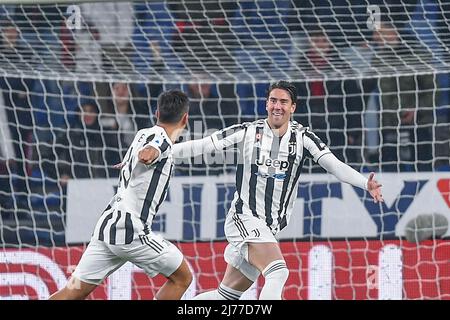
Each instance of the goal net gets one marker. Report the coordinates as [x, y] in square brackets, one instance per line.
[79, 79]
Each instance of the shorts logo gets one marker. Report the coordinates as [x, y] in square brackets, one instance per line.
[256, 232]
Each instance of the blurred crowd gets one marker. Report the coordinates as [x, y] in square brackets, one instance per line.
[55, 130]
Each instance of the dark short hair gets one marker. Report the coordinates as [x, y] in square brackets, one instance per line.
[285, 85]
[172, 105]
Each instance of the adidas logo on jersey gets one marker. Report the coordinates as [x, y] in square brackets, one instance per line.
[274, 163]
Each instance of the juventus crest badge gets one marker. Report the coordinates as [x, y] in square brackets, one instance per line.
[292, 148]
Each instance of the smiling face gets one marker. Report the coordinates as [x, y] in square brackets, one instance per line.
[279, 106]
[88, 114]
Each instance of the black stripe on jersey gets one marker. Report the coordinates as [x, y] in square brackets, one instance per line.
[101, 236]
[319, 144]
[149, 138]
[230, 130]
[254, 169]
[270, 183]
[152, 190]
[322, 156]
[163, 194]
[307, 154]
[164, 146]
[129, 231]
[113, 231]
[287, 179]
[240, 174]
[283, 222]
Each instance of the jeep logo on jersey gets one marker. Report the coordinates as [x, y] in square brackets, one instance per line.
[274, 163]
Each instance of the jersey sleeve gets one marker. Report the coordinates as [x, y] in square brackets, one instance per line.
[313, 146]
[156, 141]
[229, 136]
[219, 140]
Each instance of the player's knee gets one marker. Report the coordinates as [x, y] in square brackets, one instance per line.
[276, 271]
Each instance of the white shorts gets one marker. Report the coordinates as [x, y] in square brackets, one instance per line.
[151, 253]
[241, 229]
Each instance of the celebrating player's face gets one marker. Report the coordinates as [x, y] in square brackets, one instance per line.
[279, 108]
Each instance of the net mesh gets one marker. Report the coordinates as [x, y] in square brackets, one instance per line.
[77, 81]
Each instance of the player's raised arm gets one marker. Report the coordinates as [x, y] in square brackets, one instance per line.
[219, 140]
[193, 148]
[347, 174]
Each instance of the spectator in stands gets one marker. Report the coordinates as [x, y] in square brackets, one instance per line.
[406, 103]
[210, 109]
[12, 48]
[87, 51]
[203, 38]
[122, 116]
[261, 40]
[39, 26]
[114, 23]
[123, 113]
[80, 151]
[332, 108]
[7, 156]
[152, 37]
[15, 100]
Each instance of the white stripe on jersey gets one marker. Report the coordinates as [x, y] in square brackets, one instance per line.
[142, 188]
[268, 172]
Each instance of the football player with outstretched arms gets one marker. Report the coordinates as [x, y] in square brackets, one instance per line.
[271, 153]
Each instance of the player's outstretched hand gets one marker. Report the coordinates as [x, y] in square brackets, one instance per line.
[118, 166]
[147, 155]
[374, 188]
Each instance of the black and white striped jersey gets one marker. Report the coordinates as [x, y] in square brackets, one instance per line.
[142, 189]
[268, 168]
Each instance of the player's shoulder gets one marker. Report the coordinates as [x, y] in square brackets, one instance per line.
[298, 127]
[237, 127]
[156, 132]
[259, 122]
[157, 136]
[151, 130]
[253, 124]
